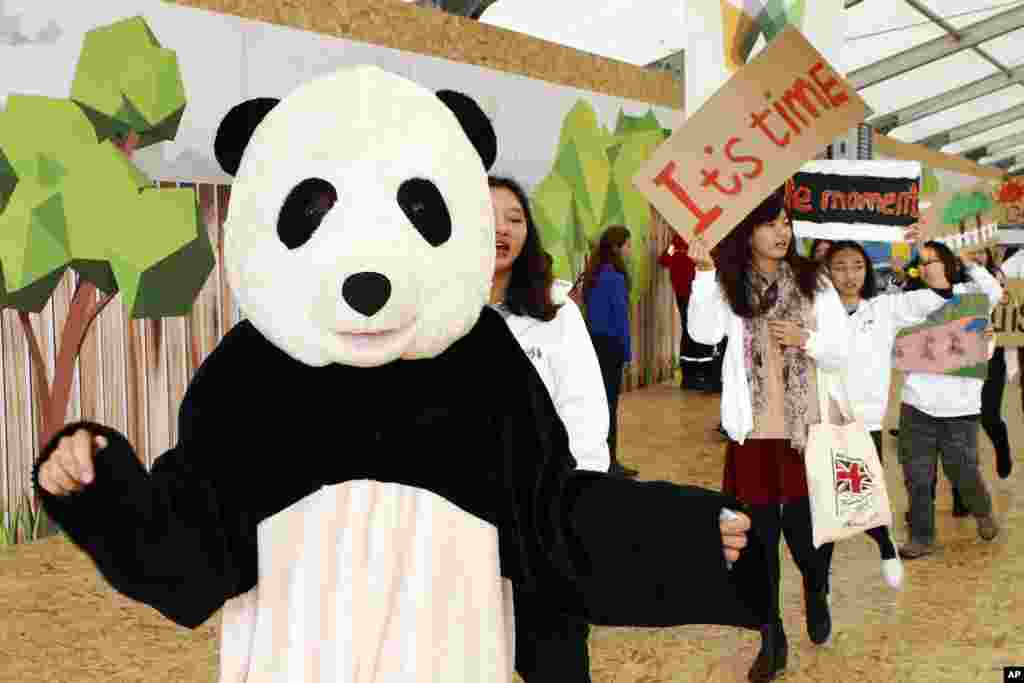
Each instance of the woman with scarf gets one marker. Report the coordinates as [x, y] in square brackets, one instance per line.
[783, 319]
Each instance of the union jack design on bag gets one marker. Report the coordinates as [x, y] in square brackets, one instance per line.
[853, 483]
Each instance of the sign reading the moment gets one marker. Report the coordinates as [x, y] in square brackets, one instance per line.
[855, 200]
[778, 111]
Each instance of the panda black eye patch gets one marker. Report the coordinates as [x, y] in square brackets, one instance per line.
[303, 210]
[423, 204]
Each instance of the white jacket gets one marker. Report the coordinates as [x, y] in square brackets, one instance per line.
[945, 395]
[710, 318]
[565, 359]
[1013, 267]
[873, 328]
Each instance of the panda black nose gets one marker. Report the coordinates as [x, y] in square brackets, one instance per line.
[366, 292]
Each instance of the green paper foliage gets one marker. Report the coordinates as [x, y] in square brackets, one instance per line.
[70, 198]
[590, 188]
[126, 81]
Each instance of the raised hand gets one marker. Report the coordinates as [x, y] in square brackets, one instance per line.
[700, 254]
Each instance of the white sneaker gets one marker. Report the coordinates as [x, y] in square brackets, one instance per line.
[892, 572]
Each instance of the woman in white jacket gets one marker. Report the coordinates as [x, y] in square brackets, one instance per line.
[940, 414]
[874, 321]
[551, 330]
[783, 319]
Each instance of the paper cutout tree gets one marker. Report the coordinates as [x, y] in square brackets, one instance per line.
[70, 197]
[589, 188]
[965, 205]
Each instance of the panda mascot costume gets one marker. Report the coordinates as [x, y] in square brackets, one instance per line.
[368, 463]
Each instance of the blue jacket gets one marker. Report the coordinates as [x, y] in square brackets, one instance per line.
[608, 308]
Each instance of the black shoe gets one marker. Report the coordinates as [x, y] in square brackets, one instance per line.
[771, 660]
[959, 509]
[1004, 465]
[819, 621]
[894, 432]
[618, 470]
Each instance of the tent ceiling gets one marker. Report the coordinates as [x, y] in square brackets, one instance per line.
[877, 32]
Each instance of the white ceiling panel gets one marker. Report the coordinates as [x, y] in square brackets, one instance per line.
[959, 115]
[923, 82]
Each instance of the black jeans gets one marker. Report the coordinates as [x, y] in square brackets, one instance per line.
[992, 404]
[697, 360]
[792, 520]
[611, 358]
[550, 647]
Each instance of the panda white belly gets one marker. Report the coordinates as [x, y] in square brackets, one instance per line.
[369, 582]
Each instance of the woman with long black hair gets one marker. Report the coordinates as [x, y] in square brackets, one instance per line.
[550, 328]
[783, 320]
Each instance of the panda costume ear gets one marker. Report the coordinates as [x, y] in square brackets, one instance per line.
[236, 129]
[474, 122]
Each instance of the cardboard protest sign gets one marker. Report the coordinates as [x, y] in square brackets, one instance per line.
[1011, 201]
[950, 342]
[965, 220]
[1008, 318]
[778, 111]
[855, 200]
[1011, 211]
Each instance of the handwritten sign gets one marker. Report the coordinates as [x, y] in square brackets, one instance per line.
[1011, 202]
[781, 109]
[855, 200]
[950, 342]
[1008, 318]
[966, 220]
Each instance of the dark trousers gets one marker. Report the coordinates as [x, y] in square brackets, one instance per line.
[923, 439]
[550, 648]
[699, 362]
[611, 358]
[792, 520]
[992, 404]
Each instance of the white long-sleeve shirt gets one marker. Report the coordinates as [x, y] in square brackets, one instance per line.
[565, 359]
[873, 328]
[710, 318]
[945, 395]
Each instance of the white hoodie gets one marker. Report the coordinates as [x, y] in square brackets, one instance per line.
[873, 328]
[565, 359]
[710, 318]
[945, 395]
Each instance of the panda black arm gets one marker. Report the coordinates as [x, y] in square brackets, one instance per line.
[175, 538]
[581, 537]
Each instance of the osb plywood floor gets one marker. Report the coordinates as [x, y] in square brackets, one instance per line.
[958, 617]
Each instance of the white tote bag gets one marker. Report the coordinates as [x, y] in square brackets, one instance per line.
[845, 479]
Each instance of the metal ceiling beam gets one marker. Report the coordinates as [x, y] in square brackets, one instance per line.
[847, 4]
[972, 128]
[994, 148]
[936, 49]
[1009, 162]
[950, 98]
[953, 31]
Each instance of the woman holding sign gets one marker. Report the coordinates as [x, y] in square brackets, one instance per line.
[783, 320]
[940, 414]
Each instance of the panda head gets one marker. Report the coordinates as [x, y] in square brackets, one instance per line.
[360, 227]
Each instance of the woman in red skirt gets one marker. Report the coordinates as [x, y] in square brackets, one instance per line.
[783, 319]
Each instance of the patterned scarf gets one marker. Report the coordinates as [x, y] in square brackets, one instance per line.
[781, 300]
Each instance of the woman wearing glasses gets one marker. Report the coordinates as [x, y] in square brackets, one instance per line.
[783, 319]
[940, 414]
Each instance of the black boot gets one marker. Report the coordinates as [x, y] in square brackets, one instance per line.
[819, 620]
[959, 509]
[771, 660]
[1004, 463]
